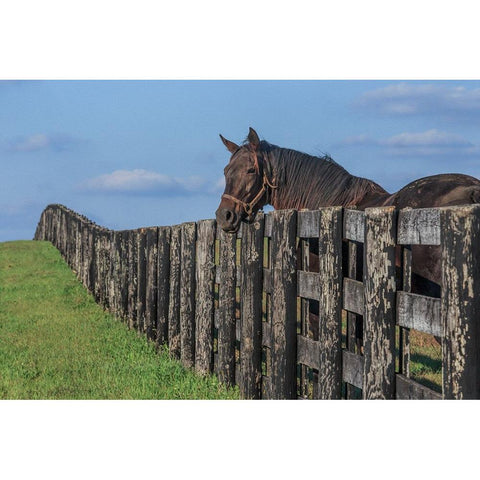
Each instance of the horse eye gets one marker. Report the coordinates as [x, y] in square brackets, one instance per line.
[251, 170]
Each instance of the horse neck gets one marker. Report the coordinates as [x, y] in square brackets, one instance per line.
[307, 182]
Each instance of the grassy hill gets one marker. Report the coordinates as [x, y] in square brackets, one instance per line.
[57, 343]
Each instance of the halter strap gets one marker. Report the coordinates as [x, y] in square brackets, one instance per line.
[248, 206]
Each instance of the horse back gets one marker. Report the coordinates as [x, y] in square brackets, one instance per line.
[437, 191]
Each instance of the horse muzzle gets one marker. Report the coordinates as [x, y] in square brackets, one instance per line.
[228, 220]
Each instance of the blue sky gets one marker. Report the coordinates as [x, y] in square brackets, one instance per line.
[138, 153]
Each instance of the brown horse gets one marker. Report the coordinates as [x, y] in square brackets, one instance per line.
[260, 173]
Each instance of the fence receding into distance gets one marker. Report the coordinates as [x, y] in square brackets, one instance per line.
[254, 308]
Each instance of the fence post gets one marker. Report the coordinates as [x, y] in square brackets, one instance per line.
[283, 383]
[120, 278]
[142, 278]
[187, 294]
[460, 308]
[132, 279]
[163, 285]
[151, 255]
[380, 292]
[174, 294]
[251, 308]
[226, 308]
[330, 303]
[204, 295]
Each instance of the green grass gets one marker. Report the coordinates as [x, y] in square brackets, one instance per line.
[57, 343]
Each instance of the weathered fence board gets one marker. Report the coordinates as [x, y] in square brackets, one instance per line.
[330, 317]
[284, 304]
[187, 294]
[353, 366]
[141, 278]
[308, 352]
[408, 389]
[354, 225]
[461, 344]
[204, 295]
[419, 227]
[151, 282]
[419, 312]
[379, 313]
[226, 308]
[132, 278]
[174, 292]
[353, 296]
[250, 381]
[163, 285]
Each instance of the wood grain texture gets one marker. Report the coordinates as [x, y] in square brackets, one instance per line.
[353, 296]
[354, 225]
[419, 227]
[141, 278]
[284, 304]
[250, 383]
[226, 324]
[204, 295]
[420, 313]
[330, 303]
[408, 389]
[174, 292]
[187, 294]
[151, 283]
[460, 307]
[163, 285]
[352, 368]
[380, 290]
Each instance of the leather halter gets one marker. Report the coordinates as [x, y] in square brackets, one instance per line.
[248, 206]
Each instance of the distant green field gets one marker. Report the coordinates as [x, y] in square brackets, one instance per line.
[57, 343]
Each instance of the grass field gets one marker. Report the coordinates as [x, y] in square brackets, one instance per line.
[57, 343]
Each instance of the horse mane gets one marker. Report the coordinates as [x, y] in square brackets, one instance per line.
[306, 181]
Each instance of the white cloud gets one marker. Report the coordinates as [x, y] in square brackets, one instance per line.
[428, 143]
[146, 182]
[429, 138]
[31, 143]
[405, 99]
[42, 141]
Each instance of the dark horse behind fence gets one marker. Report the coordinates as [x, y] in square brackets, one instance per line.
[260, 173]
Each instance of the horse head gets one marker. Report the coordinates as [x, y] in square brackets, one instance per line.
[246, 183]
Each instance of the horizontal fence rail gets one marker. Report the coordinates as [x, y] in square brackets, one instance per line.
[298, 304]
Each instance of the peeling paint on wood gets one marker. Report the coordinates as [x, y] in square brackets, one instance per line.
[204, 295]
[461, 301]
[379, 318]
[250, 381]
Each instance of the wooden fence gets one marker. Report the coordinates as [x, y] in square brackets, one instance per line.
[242, 305]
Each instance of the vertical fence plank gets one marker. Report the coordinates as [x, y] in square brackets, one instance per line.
[141, 278]
[330, 304]
[174, 294]
[380, 290]
[163, 285]
[132, 278]
[121, 273]
[187, 294]
[226, 308]
[151, 286]
[460, 308]
[251, 308]
[404, 333]
[204, 295]
[283, 381]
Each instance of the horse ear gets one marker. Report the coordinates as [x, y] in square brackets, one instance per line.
[231, 147]
[253, 137]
